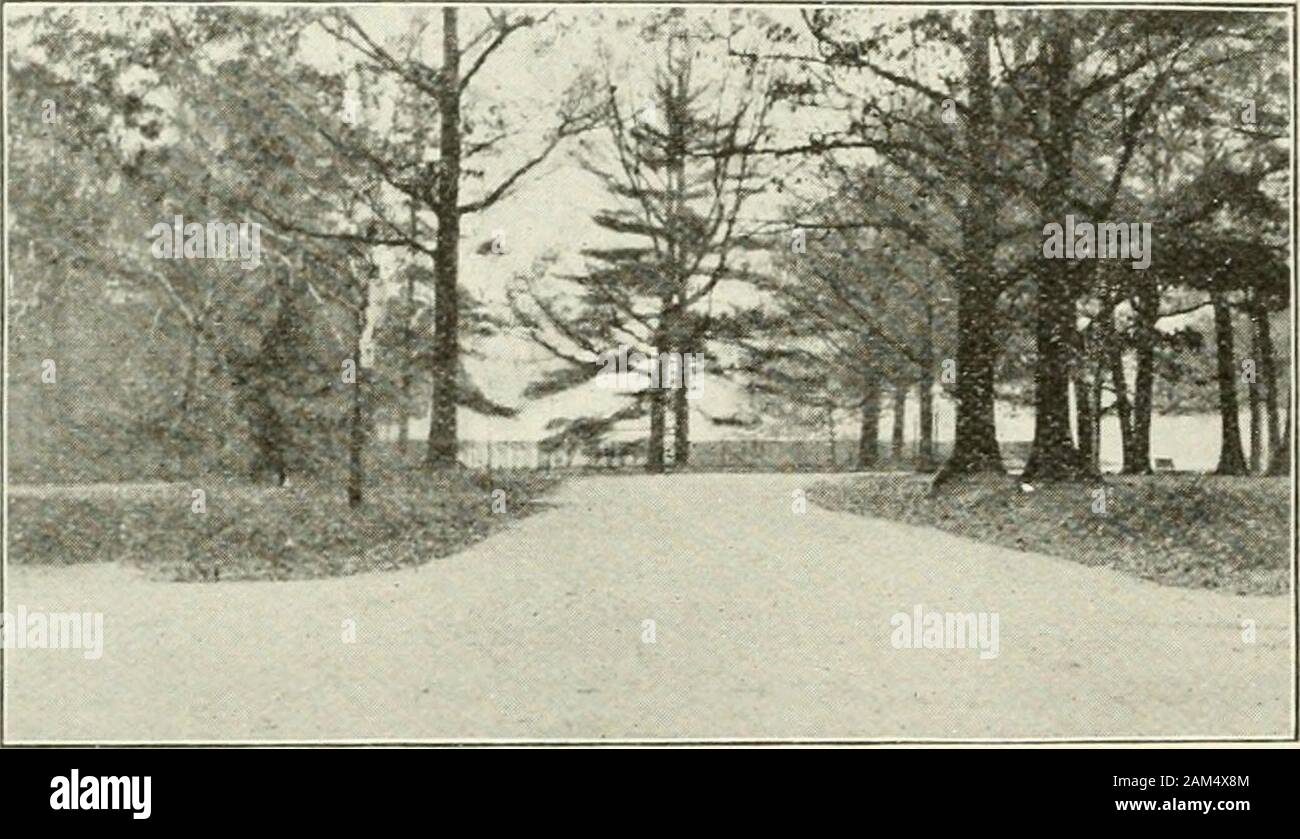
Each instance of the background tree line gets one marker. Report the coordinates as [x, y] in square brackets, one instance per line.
[837, 208]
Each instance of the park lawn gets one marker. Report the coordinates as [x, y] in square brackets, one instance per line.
[262, 533]
[1197, 531]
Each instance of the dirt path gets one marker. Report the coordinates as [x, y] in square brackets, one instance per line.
[766, 623]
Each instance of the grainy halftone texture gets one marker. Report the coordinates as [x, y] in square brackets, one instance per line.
[375, 467]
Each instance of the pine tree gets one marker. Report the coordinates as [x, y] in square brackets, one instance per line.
[681, 167]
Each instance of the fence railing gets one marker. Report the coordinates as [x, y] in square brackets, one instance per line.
[780, 455]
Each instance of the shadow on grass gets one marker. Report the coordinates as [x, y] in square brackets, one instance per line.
[1194, 531]
[250, 532]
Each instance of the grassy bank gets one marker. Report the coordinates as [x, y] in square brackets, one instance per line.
[258, 533]
[1181, 530]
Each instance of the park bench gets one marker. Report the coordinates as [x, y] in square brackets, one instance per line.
[1165, 464]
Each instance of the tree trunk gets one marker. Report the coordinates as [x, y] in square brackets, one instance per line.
[1094, 430]
[191, 376]
[408, 356]
[677, 325]
[681, 424]
[1083, 417]
[1054, 456]
[267, 427]
[1279, 459]
[830, 436]
[654, 458]
[975, 443]
[899, 417]
[185, 454]
[1232, 461]
[443, 436]
[1256, 414]
[870, 429]
[925, 392]
[1104, 337]
[925, 395]
[1267, 374]
[1122, 407]
[357, 421]
[404, 421]
[1147, 311]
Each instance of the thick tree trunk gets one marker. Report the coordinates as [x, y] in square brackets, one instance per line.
[925, 393]
[925, 396]
[1123, 409]
[1255, 390]
[868, 435]
[975, 443]
[1083, 416]
[1267, 372]
[1098, 358]
[1148, 311]
[1279, 459]
[1054, 456]
[1094, 432]
[1254, 402]
[408, 357]
[268, 428]
[357, 421]
[1232, 461]
[266, 433]
[443, 437]
[681, 424]
[899, 420]
[654, 458]
[678, 248]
